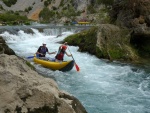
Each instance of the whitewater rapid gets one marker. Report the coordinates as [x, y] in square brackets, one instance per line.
[102, 87]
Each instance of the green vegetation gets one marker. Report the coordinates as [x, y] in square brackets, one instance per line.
[91, 9]
[70, 11]
[46, 15]
[11, 18]
[62, 3]
[106, 2]
[28, 9]
[30, 65]
[116, 53]
[103, 16]
[112, 47]
[9, 2]
[1, 7]
[86, 40]
[47, 2]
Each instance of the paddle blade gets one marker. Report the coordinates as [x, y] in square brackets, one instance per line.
[30, 57]
[77, 67]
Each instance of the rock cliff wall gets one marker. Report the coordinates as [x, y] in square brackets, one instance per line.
[135, 16]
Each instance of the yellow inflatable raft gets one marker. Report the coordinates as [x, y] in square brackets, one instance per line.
[61, 66]
[83, 22]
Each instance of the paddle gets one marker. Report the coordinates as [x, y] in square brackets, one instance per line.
[30, 57]
[77, 67]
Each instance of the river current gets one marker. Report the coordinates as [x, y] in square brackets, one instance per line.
[101, 86]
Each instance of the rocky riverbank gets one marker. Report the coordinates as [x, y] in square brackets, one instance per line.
[23, 90]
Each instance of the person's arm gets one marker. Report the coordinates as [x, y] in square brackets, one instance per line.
[69, 55]
[52, 52]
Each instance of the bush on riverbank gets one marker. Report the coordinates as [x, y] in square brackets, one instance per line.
[13, 19]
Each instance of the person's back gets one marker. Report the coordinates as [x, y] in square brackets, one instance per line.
[61, 52]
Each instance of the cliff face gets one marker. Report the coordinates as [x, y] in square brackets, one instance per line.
[38, 5]
[21, 5]
[23, 90]
[131, 13]
[134, 15]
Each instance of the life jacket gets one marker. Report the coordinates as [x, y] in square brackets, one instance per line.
[61, 52]
[43, 50]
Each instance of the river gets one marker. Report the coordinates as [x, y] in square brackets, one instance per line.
[101, 86]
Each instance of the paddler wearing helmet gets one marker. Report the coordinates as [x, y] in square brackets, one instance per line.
[62, 52]
[42, 50]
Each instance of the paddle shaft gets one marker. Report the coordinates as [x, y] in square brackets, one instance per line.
[77, 67]
[71, 54]
[30, 57]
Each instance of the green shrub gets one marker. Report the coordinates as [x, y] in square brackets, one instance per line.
[46, 3]
[46, 14]
[91, 9]
[62, 3]
[1, 7]
[54, 8]
[9, 2]
[10, 18]
[28, 9]
[106, 2]
[103, 16]
[70, 11]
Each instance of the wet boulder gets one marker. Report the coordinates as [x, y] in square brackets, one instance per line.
[4, 48]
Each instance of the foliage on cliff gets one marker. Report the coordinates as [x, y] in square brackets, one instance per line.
[106, 41]
[11, 18]
[86, 40]
[45, 15]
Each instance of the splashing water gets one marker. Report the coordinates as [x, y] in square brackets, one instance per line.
[101, 87]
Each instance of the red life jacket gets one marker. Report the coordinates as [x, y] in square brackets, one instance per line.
[61, 52]
[60, 56]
